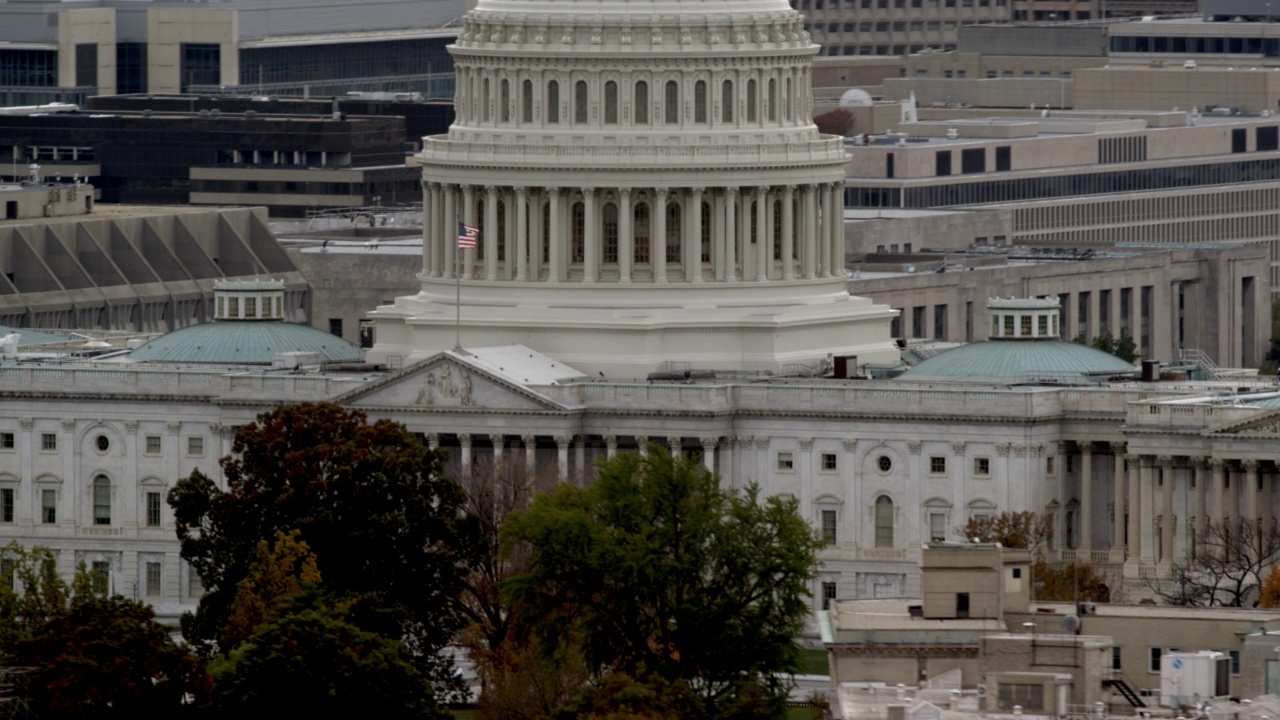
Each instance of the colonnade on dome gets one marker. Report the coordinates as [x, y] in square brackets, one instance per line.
[635, 234]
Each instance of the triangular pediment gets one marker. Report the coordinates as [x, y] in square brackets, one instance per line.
[447, 382]
[1265, 425]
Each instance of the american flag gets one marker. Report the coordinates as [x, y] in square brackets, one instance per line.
[467, 235]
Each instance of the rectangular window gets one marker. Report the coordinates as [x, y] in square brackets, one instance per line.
[973, 160]
[829, 461]
[48, 442]
[786, 461]
[937, 465]
[101, 577]
[828, 594]
[335, 326]
[829, 527]
[153, 579]
[1004, 158]
[942, 163]
[6, 441]
[6, 505]
[153, 509]
[195, 446]
[937, 527]
[1235, 661]
[1028, 696]
[1115, 657]
[1049, 465]
[153, 444]
[1153, 659]
[49, 506]
[982, 466]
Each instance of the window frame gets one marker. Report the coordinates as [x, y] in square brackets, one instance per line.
[46, 508]
[48, 442]
[937, 465]
[832, 466]
[8, 442]
[100, 494]
[147, 445]
[785, 461]
[830, 531]
[8, 504]
[982, 466]
[199, 441]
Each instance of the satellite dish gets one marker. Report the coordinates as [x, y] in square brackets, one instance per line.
[1070, 624]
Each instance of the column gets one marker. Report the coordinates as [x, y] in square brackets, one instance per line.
[580, 457]
[788, 232]
[658, 239]
[490, 233]
[1086, 501]
[555, 262]
[499, 445]
[464, 440]
[508, 271]
[1250, 488]
[610, 446]
[1200, 479]
[538, 255]
[675, 443]
[562, 457]
[1117, 513]
[530, 457]
[726, 460]
[642, 445]
[731, 234]
[693, 238]
[837, 230]
[449, 238]
[428, 237]
[822, 230]
[439, 230]
[522, 234]
[591, 236]
[1136, 471]
[433, 442]
[808, 246]
[742, 239]
[625, 233]
[709, 453]
[469, 213]
[1167, 522]
[1217, 499]
[1234, 481]
[764, 236]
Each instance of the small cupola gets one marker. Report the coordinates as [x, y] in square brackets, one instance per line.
[1024, 318]
[248, 300]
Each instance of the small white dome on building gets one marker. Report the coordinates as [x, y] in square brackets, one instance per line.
[855, 98]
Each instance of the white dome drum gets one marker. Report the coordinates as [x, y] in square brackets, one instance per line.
[638, 171]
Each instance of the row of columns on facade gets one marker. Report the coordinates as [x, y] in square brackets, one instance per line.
[1140, 470]
[820, 208]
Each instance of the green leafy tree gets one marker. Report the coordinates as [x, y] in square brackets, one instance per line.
[1124, 347]
[386, 529]
[31, 593]
[666, 577]
[310, 658]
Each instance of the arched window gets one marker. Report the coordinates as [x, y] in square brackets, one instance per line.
[484, 101]
[526, 102]
[642, 103]
[751, 100]
[505, 111]
[726, 101]
[611, 103]
[580, 102]
[773, 100]
[706, 232]
[884, 522]
[674, 232]
[671, 103]
[700, 102]
[553, 102]
[610, 233]
[579, 232]
[101, 500]
[641, 230]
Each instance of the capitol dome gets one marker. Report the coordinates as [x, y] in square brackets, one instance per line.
[1024, 346]
[645, 184]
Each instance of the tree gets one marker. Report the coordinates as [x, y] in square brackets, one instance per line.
[1124, 347]
[309, 658]
[386, 529]
[667, 578]
[282, 569]
[1075, 581]
[1023, 530]
[1226, 569]
[1270, 597]
[31, 593]
[834, 122]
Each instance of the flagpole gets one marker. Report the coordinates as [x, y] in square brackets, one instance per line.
[457, 303]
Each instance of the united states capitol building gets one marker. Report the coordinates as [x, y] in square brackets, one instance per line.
[659, 264]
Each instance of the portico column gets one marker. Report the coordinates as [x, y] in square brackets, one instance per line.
[580, 457]
[788, 232]
[1234, 481]
[1147, 510]
[730, 234]
[1118, 484]
[1086, 501]
[658, 239]
[625, 239]
[709, 453]
[433, 442]
[490, 233]
[562, 457]
[449, 238]
[428, 244]
[464, 457]
[530, 456]
[1135, 507]
[808, 249]
[522, 234]
[742, 239]
[837, 230]
[675, 443]
[727, 459]
[693, 238]
[764, 233]
[469, 215]
[439, 233]
[499, 445]
[508, 234]
[1251, 491]
[1167, 522]
[555, 263]
[591, 239]
[1218, 510]
[1201, 481]
[610, 446]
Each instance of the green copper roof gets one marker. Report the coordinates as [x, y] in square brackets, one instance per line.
[237, 342]
[1019, 360]
[31, 337]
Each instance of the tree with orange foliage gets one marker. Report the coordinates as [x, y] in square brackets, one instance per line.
[1271, 589]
